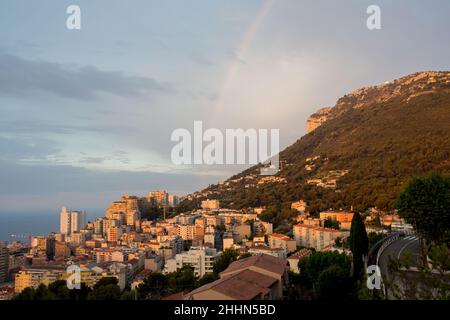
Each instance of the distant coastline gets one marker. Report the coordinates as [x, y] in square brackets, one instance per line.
[20, 224]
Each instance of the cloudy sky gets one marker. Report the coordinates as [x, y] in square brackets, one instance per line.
[86, 115]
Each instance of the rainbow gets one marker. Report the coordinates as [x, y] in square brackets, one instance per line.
[241, 52]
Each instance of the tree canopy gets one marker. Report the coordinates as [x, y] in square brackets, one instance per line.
[225, 259]
[326, 275]
[105, 289]
[425, 203]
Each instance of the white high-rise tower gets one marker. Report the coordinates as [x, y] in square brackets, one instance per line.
[65, 221]
[71, 221]
[78, 220]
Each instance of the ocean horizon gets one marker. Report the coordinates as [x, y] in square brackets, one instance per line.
[17, 226]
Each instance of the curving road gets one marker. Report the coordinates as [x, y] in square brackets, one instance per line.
[395, 250]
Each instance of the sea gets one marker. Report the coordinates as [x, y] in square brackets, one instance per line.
[18, 226]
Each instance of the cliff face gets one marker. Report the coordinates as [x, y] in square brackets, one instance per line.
[404, 89]
[316, 120]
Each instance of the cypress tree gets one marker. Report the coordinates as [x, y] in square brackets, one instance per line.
[359, 244]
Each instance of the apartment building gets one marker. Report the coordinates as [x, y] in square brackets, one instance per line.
[4, 263]
[98, 227]
[201, 259]
[210, 239]
[315, 237]
[187, 218]
[71, 221]
[64, 221]
[277, 240]
[153, 263]
[77, 220]
[316, 222]
[126, 210]
[62, 250]
[173, 200]
[43, 246]
[343, 217]
[187, 232]
[76, 238]
[33, 277]
[131, 218]
[228, 241]
[300, 206]
[113, 233]
[261, 249]
[160, 198]
[210, 204]
[90, 274]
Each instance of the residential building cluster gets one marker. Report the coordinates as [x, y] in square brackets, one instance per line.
[128, 246]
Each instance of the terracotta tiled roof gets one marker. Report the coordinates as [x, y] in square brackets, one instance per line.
[263, 261]
[316, 228]
[300, 254]
[326, 230]
[279, 236]
[263, 248]
[337, 212]
[305, 226]
[243, 285]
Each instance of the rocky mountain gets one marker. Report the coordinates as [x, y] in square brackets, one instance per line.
[360, 152]
[406, 88]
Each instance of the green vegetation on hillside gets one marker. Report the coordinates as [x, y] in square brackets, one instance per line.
[382, 144]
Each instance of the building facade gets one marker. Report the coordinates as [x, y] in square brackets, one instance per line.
[210, 204]
[4, 263]
[201, 259]
[277, 240]
[64, 222]
[343, 217]
[34, 277]
[315, 237]
[160, 198]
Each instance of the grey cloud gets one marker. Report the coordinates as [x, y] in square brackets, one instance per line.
[17, 148]
[34, 127]
[120, 153]
[99, 160]
[33, 148]
[95, 160]
[20, 77]
[124, 160]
